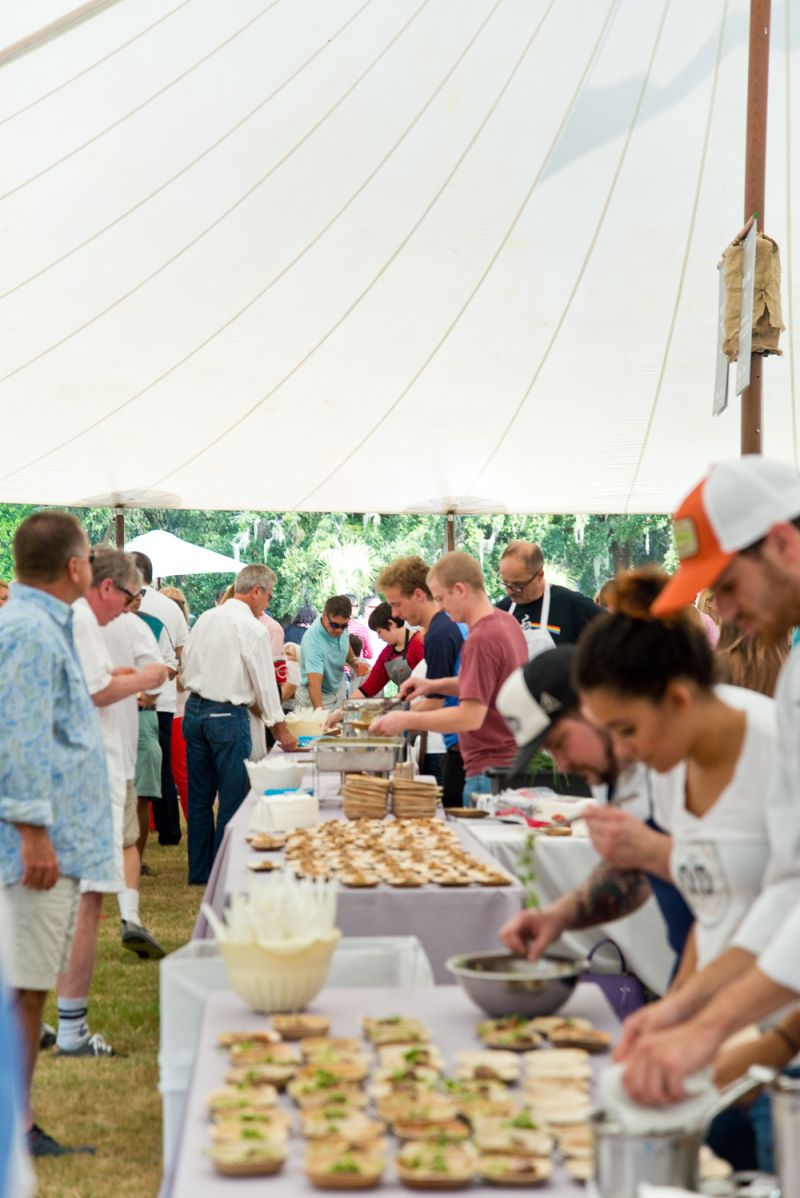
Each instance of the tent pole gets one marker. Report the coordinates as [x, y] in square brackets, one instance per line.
[754, 190]
[450, 531]
[119, 521]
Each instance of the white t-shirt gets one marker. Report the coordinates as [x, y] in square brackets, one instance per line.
[772, 928]
[718, 860]
[175, 635]
[97, 667]
[130, 642]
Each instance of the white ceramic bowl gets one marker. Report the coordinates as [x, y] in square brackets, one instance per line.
[284, 977]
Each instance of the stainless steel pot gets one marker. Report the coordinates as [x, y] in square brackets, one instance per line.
[624, 1159]
[786, 1129]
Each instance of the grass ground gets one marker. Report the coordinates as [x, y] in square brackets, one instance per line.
[114, 1104]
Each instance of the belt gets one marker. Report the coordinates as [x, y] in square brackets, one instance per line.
[219, 702]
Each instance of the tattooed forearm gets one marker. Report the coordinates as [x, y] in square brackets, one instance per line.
[609, 893]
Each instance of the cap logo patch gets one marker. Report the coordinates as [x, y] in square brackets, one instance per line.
[686, 540]
[549, 703]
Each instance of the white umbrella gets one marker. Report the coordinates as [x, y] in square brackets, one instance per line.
[170, 555]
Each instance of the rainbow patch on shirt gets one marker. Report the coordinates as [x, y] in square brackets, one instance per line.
[550, 627]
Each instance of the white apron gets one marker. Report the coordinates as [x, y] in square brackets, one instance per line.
[539, 639]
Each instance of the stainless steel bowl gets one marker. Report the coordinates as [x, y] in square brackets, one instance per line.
[501, 984]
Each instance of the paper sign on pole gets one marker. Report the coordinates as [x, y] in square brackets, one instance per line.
[721, 376]
[746, 318]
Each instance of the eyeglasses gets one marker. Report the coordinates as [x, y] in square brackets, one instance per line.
[516, 587]
[132, 595]
[340, 627]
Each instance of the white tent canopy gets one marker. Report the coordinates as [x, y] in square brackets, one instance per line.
[172, 555]
[381, 255]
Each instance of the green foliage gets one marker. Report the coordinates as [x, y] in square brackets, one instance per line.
[317, 554]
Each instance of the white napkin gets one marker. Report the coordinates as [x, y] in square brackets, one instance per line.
[648, 1191]
[641, 1120]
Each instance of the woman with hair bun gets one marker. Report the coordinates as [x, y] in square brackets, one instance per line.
[712, 749]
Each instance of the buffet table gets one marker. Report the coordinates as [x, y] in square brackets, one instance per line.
[445, 1010]
[563, 863]
[446, 921]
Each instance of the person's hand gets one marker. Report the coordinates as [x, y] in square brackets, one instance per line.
[414, 687]
[391, 724]
[529, 933]
[655, 1017]
[768, 1049]
[40, 870]
[288, 743]
[619, 837]
[334, 718]
[361, 668]
[154, 675]
[660, 1063]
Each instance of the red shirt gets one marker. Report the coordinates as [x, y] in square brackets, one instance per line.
[494, 648]
[377, 678]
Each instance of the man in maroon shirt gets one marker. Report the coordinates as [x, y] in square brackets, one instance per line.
[494, 648]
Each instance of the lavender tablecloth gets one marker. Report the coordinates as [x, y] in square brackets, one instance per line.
[448, 1014]
[446, 921]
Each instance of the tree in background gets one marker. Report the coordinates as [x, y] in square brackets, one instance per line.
[317, 554]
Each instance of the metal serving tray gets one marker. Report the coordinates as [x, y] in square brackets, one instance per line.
[370, 755]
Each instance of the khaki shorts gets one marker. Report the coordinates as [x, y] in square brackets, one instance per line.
[130, 824]
[42, 927]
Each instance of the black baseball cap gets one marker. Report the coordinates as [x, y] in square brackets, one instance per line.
[534, 698]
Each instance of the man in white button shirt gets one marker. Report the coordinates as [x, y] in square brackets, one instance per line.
[171, 631]
[228, 670]
[737, 532]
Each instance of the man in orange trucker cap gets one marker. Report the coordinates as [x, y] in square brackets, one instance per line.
[738, 532]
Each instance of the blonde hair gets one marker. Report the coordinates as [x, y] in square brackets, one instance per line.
[750, 661]
[457, 567]
[407, 574]
[705, 603]
[177, 596]
[229, 593]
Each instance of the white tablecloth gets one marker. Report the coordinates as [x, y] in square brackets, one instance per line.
[561, 864]
[445, 920]
[451, 1018]
[189, 975]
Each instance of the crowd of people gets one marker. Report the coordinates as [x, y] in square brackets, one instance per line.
[114, 714]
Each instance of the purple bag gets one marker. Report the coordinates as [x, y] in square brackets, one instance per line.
[624, 992]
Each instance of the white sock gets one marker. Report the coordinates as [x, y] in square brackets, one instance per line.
[129, 905]
[73, 1029]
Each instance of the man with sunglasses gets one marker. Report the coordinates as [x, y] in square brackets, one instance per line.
[549, 615]
[115, 586]
[324, 652]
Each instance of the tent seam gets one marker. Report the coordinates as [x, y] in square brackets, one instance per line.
[504, 241]
[227, 324]
[173, 178]
[587, 257]
[92, 66]
[144, 104]
[685, 263]
[392, 257]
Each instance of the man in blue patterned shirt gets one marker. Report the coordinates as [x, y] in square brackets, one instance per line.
[55, 819]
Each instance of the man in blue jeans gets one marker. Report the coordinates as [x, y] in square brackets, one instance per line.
[229, 670]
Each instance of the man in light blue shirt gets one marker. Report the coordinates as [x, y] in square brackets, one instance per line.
[324, 652]
[55, 815]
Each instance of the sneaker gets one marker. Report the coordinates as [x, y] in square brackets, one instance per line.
[47, 1037]
[138, 940]
[93, 1046]
[40, 1144]
[146, 871]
